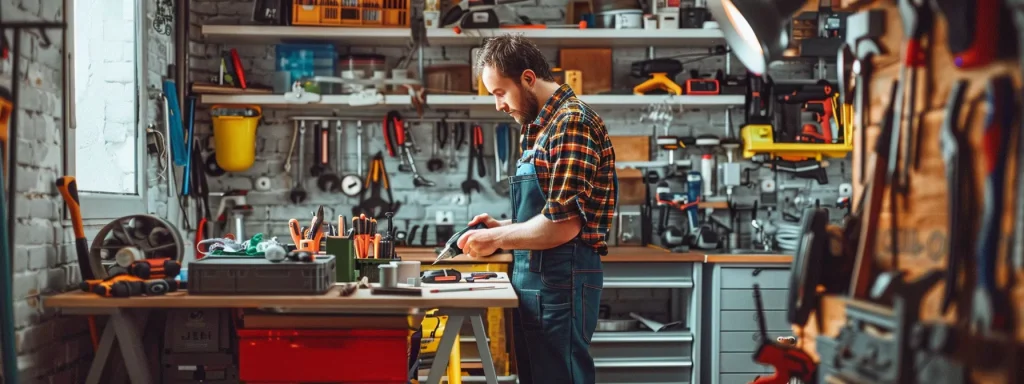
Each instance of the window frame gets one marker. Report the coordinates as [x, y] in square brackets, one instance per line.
[97, 206]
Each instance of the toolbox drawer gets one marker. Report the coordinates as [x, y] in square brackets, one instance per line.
[738, 378]
[648, 275]
[646, 375]
[315, 355]
[745, 341]
[766, 278]
[747, 321]
[739, 362]
[743, 299]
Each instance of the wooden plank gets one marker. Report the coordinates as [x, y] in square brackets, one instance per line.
[632, 148]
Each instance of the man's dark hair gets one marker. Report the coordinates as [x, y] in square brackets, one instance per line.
[511, 54]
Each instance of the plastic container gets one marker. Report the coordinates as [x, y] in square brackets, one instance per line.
[234, 136]
[361, 67]
[351, 13]
[323, 356]
[294, 62]
[371, 268]
[246, 275]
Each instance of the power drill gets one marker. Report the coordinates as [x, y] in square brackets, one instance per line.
[789, 362]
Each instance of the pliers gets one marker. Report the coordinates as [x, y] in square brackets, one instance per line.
[478, 148]
[459, 138]
[394, 132]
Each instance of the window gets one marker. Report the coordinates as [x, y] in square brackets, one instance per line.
[105, 113]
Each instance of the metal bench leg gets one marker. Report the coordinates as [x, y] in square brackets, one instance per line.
[444, 349]
[480, 335]
[127, 325]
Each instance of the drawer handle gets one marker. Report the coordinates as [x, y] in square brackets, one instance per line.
[757, 271]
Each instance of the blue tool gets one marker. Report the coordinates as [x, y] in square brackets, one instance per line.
[693, 188]
[186, 179]
[175, 133]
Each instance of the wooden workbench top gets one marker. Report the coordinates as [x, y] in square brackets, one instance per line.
[491, 298]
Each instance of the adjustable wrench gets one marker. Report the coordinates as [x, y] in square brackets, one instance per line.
[953, 141]
[991, 306]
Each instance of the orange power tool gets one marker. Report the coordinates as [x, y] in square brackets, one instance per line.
[790, 362]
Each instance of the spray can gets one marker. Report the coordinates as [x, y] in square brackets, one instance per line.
[707, 173]
[693, 190]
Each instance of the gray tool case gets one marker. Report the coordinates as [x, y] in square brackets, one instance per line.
[259, 276]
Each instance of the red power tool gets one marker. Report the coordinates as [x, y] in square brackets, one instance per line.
[790, 362]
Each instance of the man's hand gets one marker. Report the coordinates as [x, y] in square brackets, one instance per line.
[479, 242]
[486, 219]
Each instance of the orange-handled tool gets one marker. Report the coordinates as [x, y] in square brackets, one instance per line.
[68, 188]
[295, 230]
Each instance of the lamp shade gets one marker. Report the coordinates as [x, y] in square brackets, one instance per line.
[755, 29]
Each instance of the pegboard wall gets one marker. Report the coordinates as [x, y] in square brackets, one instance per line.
[419, 205]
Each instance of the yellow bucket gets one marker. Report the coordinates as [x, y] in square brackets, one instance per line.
[234, 136]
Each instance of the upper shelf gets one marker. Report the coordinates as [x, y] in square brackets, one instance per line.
[469, 101]
[400, 37]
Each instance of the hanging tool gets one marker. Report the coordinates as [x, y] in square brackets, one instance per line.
[955, 146]
[917, 23]
[387, 242]
[423, 235]
[326, 180]
[471, 185]
[458, 139]
[501, 149]
[789, 362]
[973, 30]
[659, 74]
[175, 132]
[394, 134]
[451, 247]
[298, 193]
[68, 188]
[866, 50]
[435, 163]
[870, 207]
[991, 306]
[814, 268]
[186, 180]
[407, 149]
[352, 184]
[372, 204]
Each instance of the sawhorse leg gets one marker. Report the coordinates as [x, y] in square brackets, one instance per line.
[455, 319]
[124, 326]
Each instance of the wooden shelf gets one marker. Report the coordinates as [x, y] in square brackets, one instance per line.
[475, 102]
[400, 37]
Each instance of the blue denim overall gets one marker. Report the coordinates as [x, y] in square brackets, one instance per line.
[559, 293]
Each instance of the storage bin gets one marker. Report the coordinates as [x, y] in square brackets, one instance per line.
[351, 13]
[234, 135]
[246, 275]
[371, 268]
[294, 62]
[323, 356]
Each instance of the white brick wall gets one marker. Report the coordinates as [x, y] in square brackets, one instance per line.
[51, 348]
[105, 93]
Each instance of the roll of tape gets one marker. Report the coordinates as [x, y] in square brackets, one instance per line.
[263, 183]
[845, 190]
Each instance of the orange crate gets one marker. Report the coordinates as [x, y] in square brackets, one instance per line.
[351, 13]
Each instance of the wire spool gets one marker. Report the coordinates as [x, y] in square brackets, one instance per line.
[135, 238]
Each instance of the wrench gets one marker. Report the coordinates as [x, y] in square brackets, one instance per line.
[952, 142]
[990, 305]
[453, 162]
[417, 179]
[298, 193]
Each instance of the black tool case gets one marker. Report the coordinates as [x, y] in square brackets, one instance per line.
[259, 276]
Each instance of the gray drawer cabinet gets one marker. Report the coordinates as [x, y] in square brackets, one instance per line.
[733, 329]
[644, 356]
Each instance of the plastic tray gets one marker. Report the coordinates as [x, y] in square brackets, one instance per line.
[242, 276]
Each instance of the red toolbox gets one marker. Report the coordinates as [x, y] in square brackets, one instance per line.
[322, 356]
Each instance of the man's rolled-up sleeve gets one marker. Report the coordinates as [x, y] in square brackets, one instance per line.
[572, 163]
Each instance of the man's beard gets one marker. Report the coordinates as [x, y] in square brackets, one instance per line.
[529, 110]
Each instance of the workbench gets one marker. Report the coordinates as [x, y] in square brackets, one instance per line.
[128, 317]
